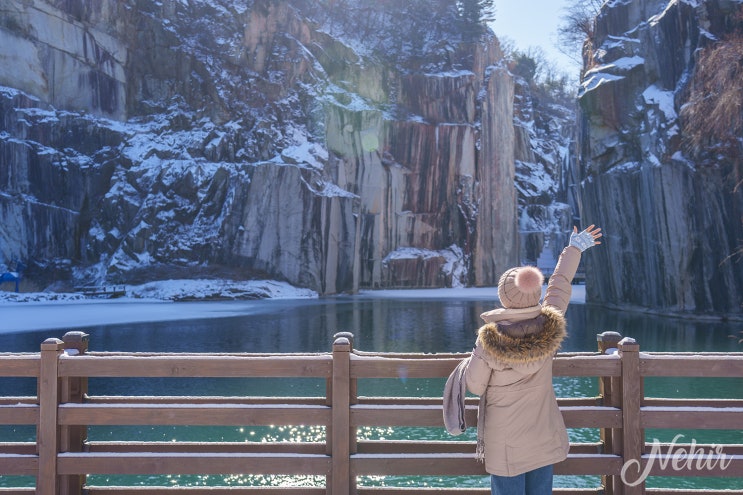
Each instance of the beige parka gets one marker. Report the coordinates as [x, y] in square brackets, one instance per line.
[511, 366]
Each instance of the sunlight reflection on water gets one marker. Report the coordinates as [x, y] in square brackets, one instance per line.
[391, 325]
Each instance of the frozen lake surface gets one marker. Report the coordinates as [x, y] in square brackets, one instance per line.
[72, 313]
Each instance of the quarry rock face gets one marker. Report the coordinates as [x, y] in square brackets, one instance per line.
[142, 140]
[666, 193]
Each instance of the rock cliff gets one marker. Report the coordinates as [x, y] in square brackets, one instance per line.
[660, 154]
[299, 140]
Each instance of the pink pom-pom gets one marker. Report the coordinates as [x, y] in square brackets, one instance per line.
[528, 279]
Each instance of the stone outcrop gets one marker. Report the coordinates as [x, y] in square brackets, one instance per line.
[142, 140]
[671, 209]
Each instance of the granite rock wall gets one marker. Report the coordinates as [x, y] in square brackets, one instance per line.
[148, 139]
[672, 213]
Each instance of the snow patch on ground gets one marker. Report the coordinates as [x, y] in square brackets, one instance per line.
[179, 290]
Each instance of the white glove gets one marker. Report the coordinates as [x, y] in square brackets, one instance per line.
[583, 240]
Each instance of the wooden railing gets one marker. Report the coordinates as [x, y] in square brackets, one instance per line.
[62, 457]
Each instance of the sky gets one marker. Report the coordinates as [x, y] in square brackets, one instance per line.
[533, 23]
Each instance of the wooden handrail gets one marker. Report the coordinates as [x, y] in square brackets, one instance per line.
[204, 366]
[62, 458]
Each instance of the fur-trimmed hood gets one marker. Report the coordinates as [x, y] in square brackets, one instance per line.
[524, 341]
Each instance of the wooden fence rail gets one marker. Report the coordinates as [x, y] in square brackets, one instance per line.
[62, 458]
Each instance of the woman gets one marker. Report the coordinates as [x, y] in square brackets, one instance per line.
[511, 369]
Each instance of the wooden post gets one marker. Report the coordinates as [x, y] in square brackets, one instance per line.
[352, 393]
[340, 476]
[609, 392]
[633, 437]
[73, 389]
[48, 439]
[329, 392]
[608, 340]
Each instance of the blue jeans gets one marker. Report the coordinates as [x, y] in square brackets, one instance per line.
[535, 482]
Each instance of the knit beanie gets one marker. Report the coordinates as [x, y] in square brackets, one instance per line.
[520, 287]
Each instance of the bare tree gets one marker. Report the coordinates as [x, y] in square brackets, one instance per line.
[578, 22]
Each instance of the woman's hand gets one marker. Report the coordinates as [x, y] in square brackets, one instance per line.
[589, 237]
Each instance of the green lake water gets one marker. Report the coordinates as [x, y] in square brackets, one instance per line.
[388, 324]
